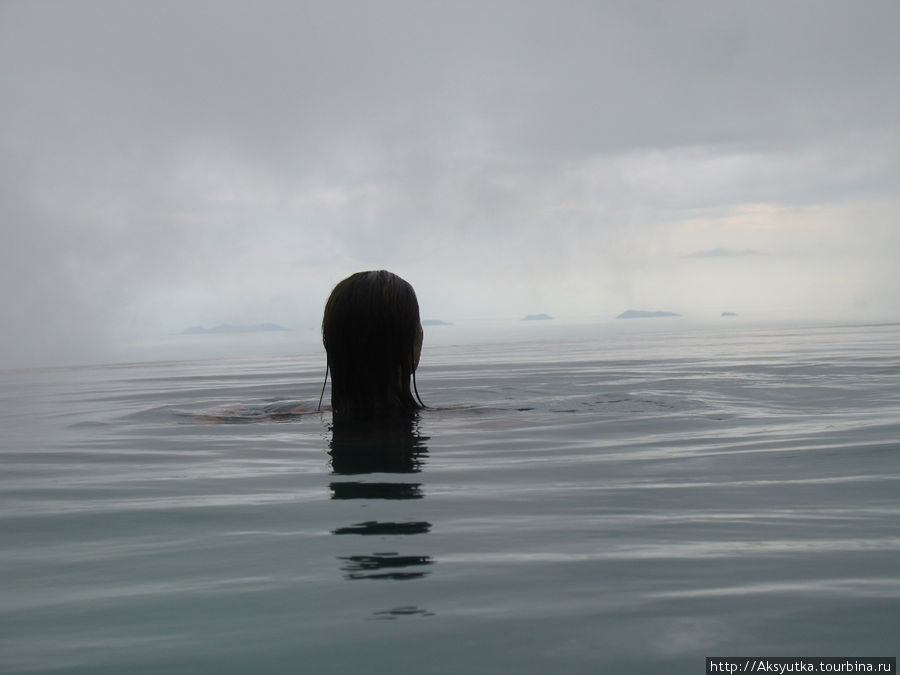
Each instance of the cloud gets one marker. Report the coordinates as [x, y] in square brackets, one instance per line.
[723, 252]
[177, 163]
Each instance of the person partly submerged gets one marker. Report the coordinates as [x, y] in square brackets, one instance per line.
[373, 339]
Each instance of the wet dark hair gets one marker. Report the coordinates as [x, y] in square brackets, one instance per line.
[372, 335]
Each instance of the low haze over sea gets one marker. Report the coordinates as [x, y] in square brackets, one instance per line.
[576, 498]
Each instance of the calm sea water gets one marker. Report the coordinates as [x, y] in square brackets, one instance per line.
[617, 503]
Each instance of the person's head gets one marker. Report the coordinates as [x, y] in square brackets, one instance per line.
[373, 337]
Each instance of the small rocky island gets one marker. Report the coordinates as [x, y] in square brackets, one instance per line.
[538, 317]
[435, 322]
[728, 314]
[228, 328]
[641, 314]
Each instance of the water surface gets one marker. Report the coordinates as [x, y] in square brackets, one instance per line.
[608, 503]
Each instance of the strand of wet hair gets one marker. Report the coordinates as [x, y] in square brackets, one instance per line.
[322, 395]
[416, 389]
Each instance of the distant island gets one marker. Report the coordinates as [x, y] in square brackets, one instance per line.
[640, 314]
[435, 322]
[228, 328]
[538, 317]
[728, 314]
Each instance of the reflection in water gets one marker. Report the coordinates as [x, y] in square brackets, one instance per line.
[374, 527]
[380, 561]
[377, 446]
[357, 490]
[402, 611]
[380, 446]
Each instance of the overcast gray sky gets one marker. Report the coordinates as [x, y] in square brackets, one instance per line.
[167, 164]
